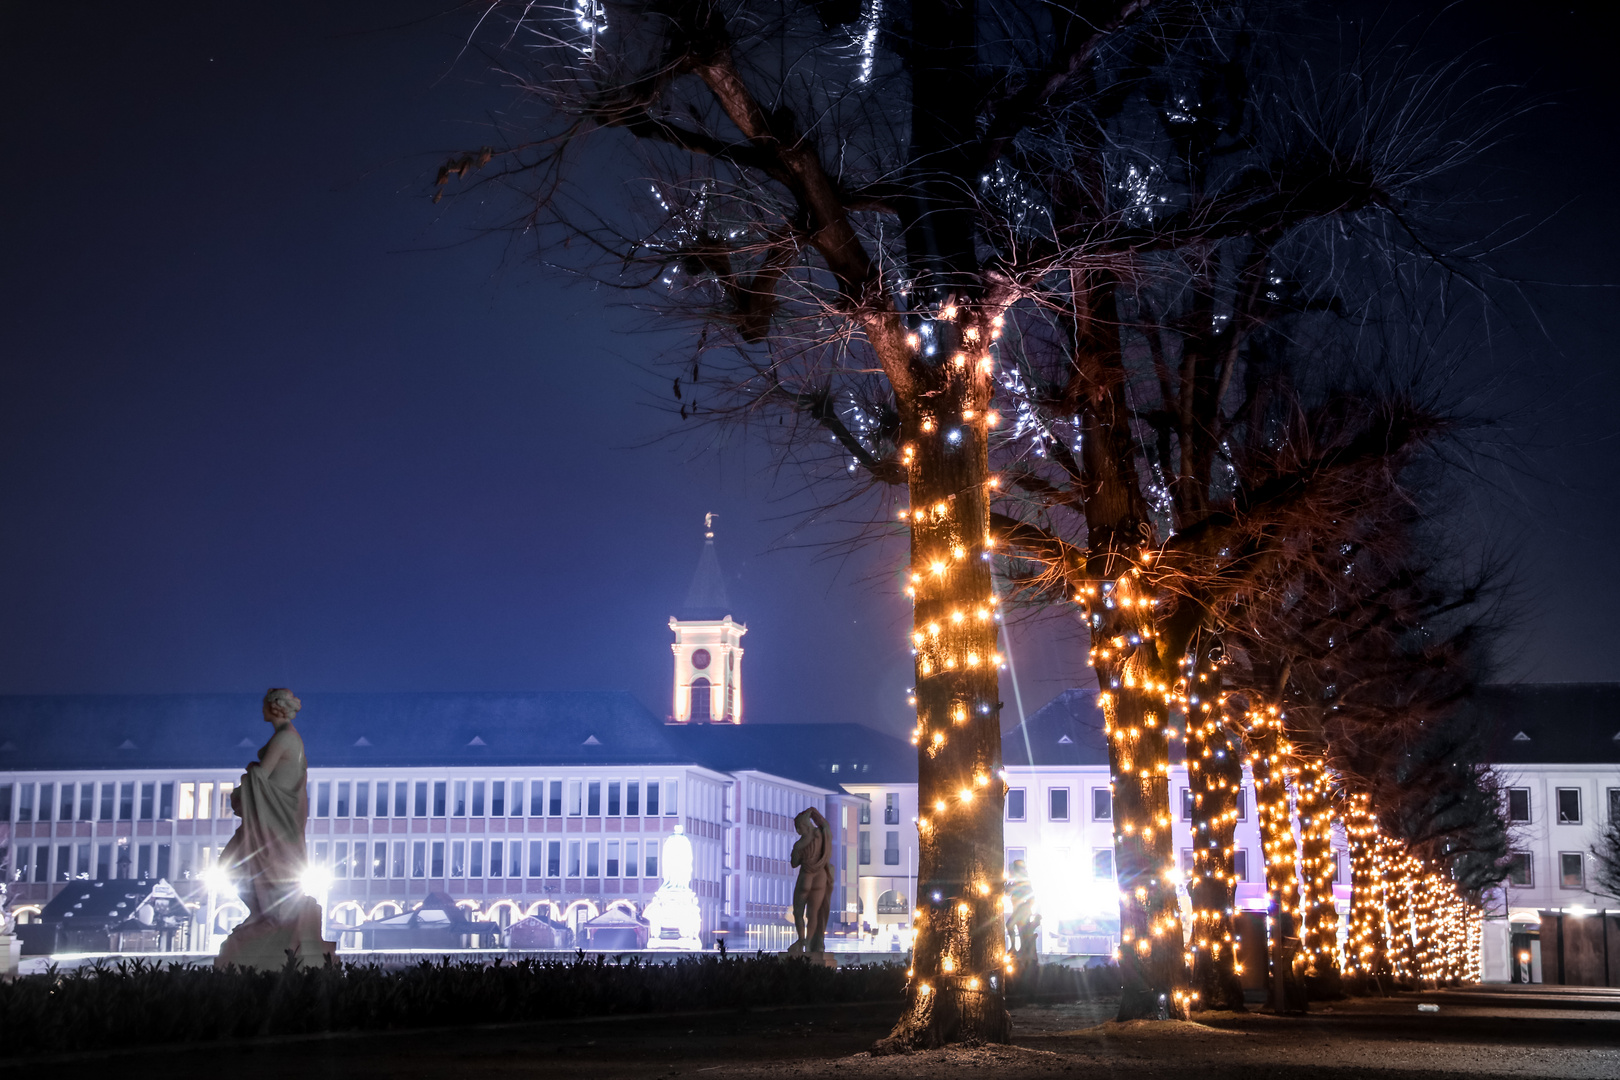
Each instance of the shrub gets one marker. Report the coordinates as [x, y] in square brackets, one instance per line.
[132, 1002]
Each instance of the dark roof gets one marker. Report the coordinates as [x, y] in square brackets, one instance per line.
[1550, 723]
[101, 902]
[707, 598]
[225, 730]
[179, 731]
[808, 753]
[1068, 730]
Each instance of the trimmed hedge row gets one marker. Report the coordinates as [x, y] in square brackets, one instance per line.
[134, 1003]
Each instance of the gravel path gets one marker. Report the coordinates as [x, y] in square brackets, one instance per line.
[1493, 1034]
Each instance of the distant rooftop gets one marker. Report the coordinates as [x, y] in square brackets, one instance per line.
[1551, 723]
[429, 730]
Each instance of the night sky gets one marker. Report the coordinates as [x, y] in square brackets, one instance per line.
[269, 417]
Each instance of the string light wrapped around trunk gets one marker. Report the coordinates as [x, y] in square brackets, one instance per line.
[1215, 779]
[1270, 762]
[1319, 866]
[1367, 948]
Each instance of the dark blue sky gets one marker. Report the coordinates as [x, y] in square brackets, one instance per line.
[267, 418]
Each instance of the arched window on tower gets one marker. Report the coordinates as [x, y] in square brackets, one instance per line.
[700, 699]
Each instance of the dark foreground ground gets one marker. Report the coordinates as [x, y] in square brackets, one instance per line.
[1492, 1032]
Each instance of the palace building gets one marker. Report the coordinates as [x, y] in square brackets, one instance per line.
[556, 805]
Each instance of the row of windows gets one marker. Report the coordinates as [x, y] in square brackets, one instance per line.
[1566, 799]
[891, 848]
[113, 801]
[1102, 862]
[380, 859]
[104, 861]
[493, 798]
[360, 859]
[1571, 869]
[1102, 804]
[167, 800]
[891, 809]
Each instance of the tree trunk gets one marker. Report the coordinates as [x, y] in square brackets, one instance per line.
[1368, 953]
[1152, 952]
[1215, 776]
[1321, 919]
[1400, 885]
[1270, 768]
[959, 961]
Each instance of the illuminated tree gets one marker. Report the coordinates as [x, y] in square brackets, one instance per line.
[892, 224]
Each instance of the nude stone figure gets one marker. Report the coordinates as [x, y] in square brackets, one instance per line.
[265, 859]
[812, 893]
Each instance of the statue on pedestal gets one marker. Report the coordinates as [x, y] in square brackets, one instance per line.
[812, 893]
[674, 919]
[265, 859]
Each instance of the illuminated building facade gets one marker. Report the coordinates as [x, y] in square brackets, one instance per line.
[514, 804]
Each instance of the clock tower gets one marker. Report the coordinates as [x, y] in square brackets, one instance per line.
[708, 647]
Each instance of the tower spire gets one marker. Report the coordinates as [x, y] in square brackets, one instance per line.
[707, 599]
[708, 645]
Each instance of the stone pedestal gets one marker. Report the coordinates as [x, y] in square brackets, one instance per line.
[10, 955]
[674, 919]
[264, 945]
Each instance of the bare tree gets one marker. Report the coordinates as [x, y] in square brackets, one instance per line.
[891, 226]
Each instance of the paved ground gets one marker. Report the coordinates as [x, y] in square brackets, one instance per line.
[1494, 1032]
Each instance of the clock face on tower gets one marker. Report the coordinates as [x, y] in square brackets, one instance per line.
[700, 659]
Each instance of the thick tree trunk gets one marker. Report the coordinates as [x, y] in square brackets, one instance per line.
[1215, 776]
[1400, 885]
[1269, 764]
[1368, 952]
[959, 963]
[1321, 919]
[1152, 960]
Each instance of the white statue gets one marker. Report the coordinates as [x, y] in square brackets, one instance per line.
[674, 920]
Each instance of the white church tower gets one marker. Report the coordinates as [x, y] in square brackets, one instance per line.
[708, 647]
